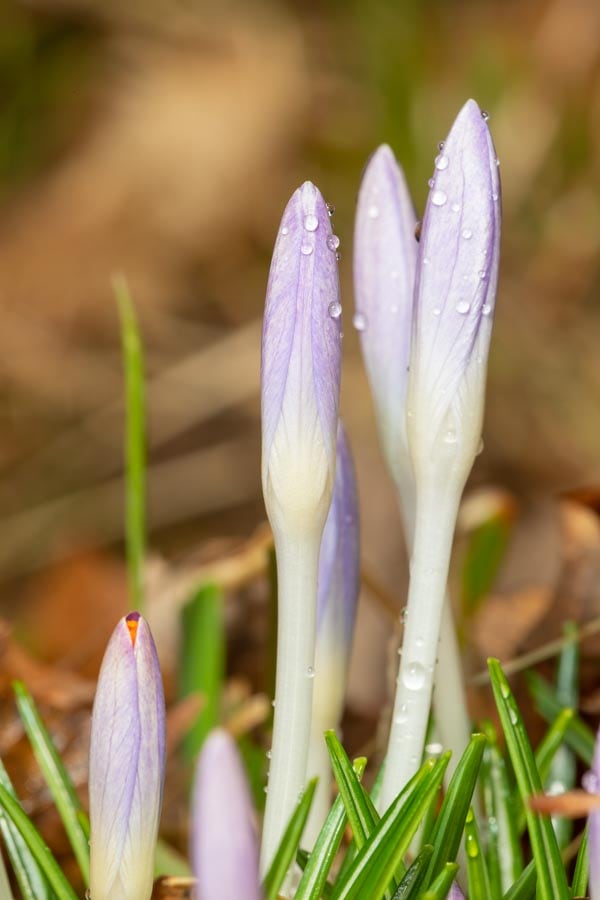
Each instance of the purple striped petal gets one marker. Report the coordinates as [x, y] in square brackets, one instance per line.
[455, 893]
[455, 290]
[591, 783]
[301, 355]
[224, 842]
[127, 759]
[385, 258]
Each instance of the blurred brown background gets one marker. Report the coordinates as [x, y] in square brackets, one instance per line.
[161, 140]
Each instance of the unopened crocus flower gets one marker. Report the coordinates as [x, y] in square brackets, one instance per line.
[127, 759]
[455, 893]
[385, 262]
[339, 581]
[300, 382]
[455, 289]
[224, 846]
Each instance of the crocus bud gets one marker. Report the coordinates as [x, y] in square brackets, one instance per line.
[455, 292]
[455, 893]
[385, 257]
[224, 847]
[592, 784]
[127, 760]
[300, 379]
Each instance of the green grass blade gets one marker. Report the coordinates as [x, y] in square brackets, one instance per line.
[442, 884]
[314, 876]
[448, 830]
[362, 815]
[56, 777]
[30, 879]
[410, 888]
[289, 844]
[477, 873]
[551, 878]
[135, 444]
[352, 849]
[524, 886]
[582, 867]
[579, 736]
[563, 769]
[378, 860]
[504, 854]
[38, 848]
[5, 889]
[203, 661]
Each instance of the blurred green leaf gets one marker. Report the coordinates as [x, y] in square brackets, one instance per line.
[168, 861]
[578, 736]
[410, 888]
[582, 866]
[562, 772]
[31, 881]
[289, 844]
[484, 553]
[525, 885]
[477, 873]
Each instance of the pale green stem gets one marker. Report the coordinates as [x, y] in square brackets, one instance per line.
[5, 891]
[297, 571]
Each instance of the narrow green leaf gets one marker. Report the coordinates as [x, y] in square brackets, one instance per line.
[504, 854]
[361, 813]
[5, 889]
[203, 661]
[442, 884]
[410, 887]
[314, 876]
[551, 878]
[582, 867]
[56, 777]
[579, 736]
[39, 850]
[30, 879]
[168, 861]
[525, 885]
[352, 848]
[289, 844]
[378, 860]
[135, 443]
[477, 873]
[448, 830]
[562, 774]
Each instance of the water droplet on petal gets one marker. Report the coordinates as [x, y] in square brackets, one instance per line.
[497, 161]
[438, 198]
[463, 307]
[418, 229]
[431, 182]
[310, 672]
[434, 749]
[437, 311]
[441, 162]
[467, 234]
[414, 676]
[450, 436]
[269, 754]
[373, 211]
[472, 848]
[482, 274]
[441, 146]
[359, 321]
[306, 249]
[330, 209]
[486, 309]
[266, 789]
[403, 615]
[338, 255]
[311, 223]
[402, 714]
[285, 229]
[335, 309]
[512, 714]
[425, 260]
[485, 115]
[495, 195]
[455, 207]
[273, 704]
[333, 241]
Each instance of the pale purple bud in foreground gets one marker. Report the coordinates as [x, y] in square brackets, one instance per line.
[592, 784]
[224, 847]
[455, 893]
[455, 293]
[300, 378]
[385, 257]
[127, 761]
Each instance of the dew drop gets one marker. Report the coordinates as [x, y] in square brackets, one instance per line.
[463, 307]
[472, 848]
[311, 223]
[414, 676]
[426, 260]
[335, 309]
[441, 146]
[338, 255]
[273, 704]
[266, 789]
[330, 209]
[359, 321]
[505, 690]
[403, 615]
[495, 195]
[455, 207]
[431, 182]
[497, 161]
[333, 241]
[434, 749]
[419, 642]
[402, 714]
[373, 211]
[269, 754]
[418, 229]
[467, 234]
[486, 309]
[469, 817]
[285, 230]
[306, 249]
[450, 437]
[437, 311]
[482, 274]
[441, 162]
[485, 115]
[310, 672]
[438, 198]
[512, 714]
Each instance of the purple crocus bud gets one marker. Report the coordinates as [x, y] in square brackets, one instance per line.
[300, 378]
[591, 783]
[455, 292]
[455, 893]
[224, 847]
[385, 258]
[127, 761]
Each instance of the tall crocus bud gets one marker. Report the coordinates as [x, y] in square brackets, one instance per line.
[127, 760]
[224, 847]
[455, 290]
[385, 260]
[300, 389]
[339, 579]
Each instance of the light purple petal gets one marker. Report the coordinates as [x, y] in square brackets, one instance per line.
[385, 257]
[301, 345]
[457, 269]
[339, 560]
[592, 784]
[127, 758]
[455, 893]
[224, 842]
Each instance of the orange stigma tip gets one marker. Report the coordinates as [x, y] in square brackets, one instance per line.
[132, 625]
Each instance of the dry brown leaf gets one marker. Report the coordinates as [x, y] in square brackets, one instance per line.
[506, 621]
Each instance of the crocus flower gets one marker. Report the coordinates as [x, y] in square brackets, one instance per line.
[339, 578]
[127, 759]
[300, 379]
[456, 278]
[224, 847]
[455, 893]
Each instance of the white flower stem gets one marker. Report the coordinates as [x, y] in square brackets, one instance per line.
[297, 570]
[436, 510]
